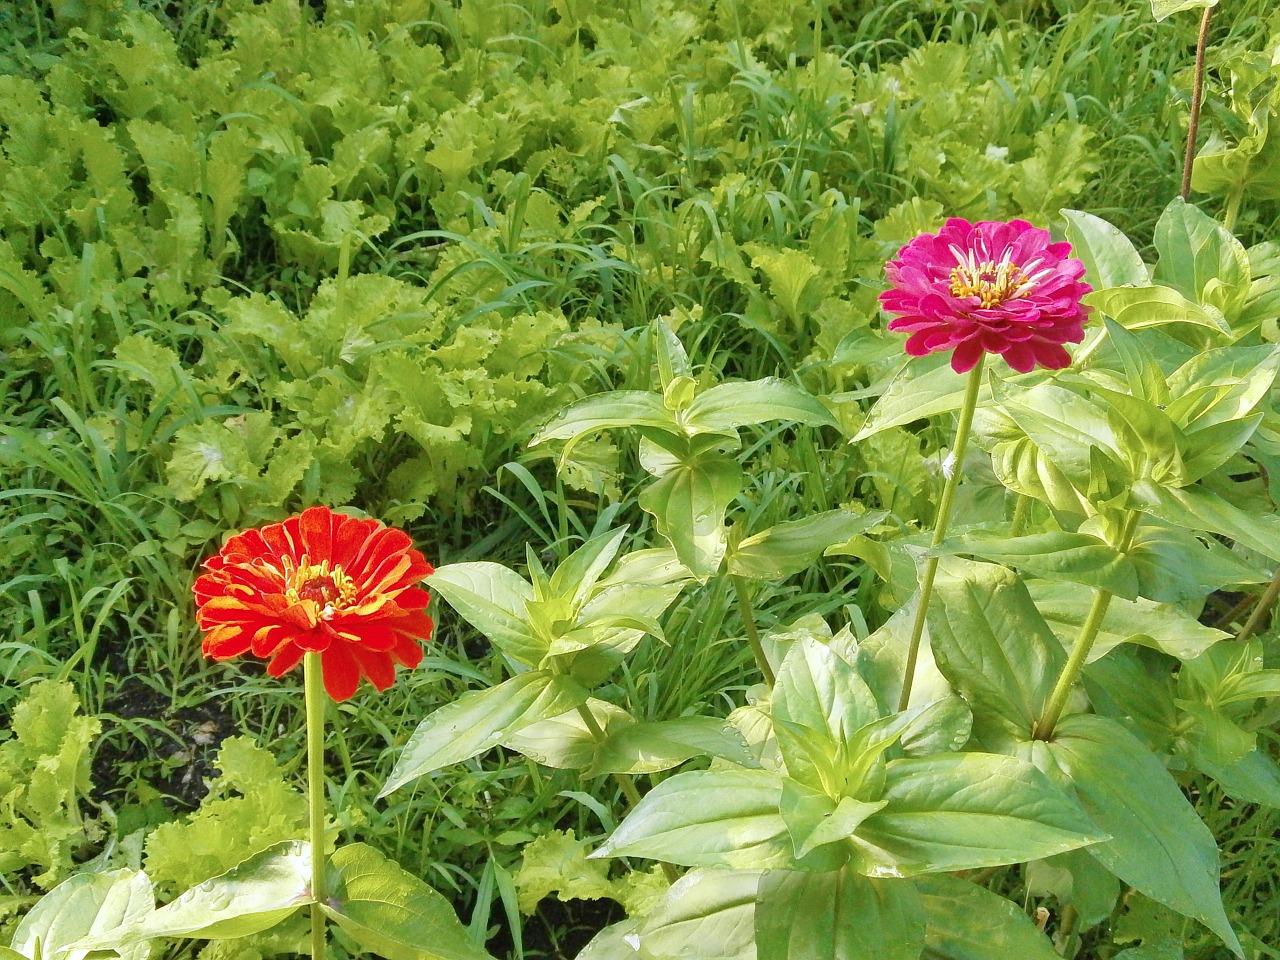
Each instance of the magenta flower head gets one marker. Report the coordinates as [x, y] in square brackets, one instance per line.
[989, 287]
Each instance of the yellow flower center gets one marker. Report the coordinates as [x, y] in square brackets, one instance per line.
[991, 282]
[329, 588]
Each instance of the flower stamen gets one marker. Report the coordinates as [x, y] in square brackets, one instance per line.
[328, 587]
[992, 282]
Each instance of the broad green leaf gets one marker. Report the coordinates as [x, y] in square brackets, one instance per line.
[817, 689]
[1109, 258]
[254, 896]
[989, 640]
[1064, 425]
[706, 915]
[492, 599]
[555, 862]
[669, 354]
[1199, 509]
[481, 720]
[1204, 451]
[924, 387]
[1174, 564]
[1075, 557]
[1149, 443]
[662, 744]
[724, 408]
[1254, 778]
[967, 811]
[814, 819]
[688, 506]
[942, 726]
[1195, 251]
[1158, 844]
[706, 818]
[1024, 468]
[964, 921]
[792, 546]
[1219, 386]
[82, 907]
[576, 577]
[7, 954]
[1078, 880]
[614, 942]
[1162, 626]
[1167, 8]
[565, 742]
[615, 410]
[1135, 693]
[390, 912]
[1144, 375]
[1137, 308]
[837, 916]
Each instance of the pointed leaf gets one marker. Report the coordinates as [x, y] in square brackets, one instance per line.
[1199, 509]
[964, 921]
[706, 915]
[662, 744]
[481, 720]
[617, 409]
[724, 408]
[1137, 308]
[82, 907]
[1158, 844]
[251, 897]
[1109, 258]
[390, 912]
[792, 546]
[992, 644]
[492, 599]
[838, 915]
[688, 505]
[1076, 557]
[967, 811]
[706, 818]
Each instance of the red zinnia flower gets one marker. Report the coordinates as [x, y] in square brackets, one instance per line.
[989, 287]
[320, 582]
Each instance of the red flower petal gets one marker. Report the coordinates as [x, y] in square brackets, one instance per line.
[324, 582]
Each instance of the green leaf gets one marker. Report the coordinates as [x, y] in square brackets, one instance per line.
[967, 811]
[662, 744]
[1144, 375]
[1158, 845]
[577, 576]
[814, 819]
[556, 862]
[492, 599]
[792, 546]
[480, 720]
[924, 387]
[1109, 258]
[724, 408]
[1220, 386]
[1075, 557]
[818, 689]
[1161, 626]
[1078, 880]
[837, 916]
[964, 921]
[82, 907]
[249, 898]
[390, 912]
[607, 411]
[688, 505]
[706, 915]
[1197, 255]
[1174, 564]
[565, 742]
[1254, 778]
[708, 818]
[1167, 8]
[1138, 308]
[1199, 509]
[992, 644]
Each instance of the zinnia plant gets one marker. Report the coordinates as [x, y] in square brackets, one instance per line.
[334, 592]
[974, 289]
[989, 287]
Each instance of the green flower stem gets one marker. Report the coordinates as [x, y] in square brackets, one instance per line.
[749, 624]
[1234, 198]
[315, 704]
[1084, 643]
[1261, 610]
[955, 459]
[628, 788]
[1020, 512]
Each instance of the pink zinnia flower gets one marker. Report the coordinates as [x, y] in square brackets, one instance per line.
[988, 287]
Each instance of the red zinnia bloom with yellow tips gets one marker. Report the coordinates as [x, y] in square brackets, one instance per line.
[320, 582]
[989, 287]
